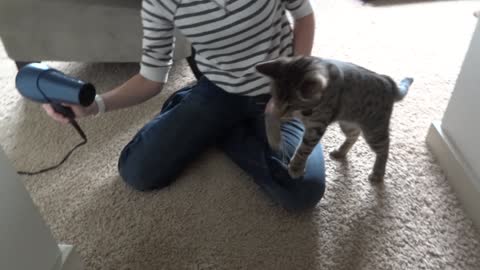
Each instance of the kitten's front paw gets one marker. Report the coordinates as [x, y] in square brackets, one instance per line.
[375, 178]
[296, 171]
[337, 155]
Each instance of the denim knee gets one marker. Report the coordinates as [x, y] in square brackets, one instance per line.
[138, 174]
[305, 197]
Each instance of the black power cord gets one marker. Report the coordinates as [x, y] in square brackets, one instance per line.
[84, 137]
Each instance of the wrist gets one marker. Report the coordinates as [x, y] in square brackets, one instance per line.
[99, 105]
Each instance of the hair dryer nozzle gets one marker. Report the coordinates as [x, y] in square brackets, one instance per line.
[87, 94]
[40, 83]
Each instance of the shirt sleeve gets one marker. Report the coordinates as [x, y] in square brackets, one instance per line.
[299, 8]
[158, 40]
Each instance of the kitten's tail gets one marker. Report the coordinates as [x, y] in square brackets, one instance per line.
[402, 88]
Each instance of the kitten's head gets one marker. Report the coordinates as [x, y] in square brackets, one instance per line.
[297, 84]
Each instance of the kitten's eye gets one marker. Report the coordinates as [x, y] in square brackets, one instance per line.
[307, 112]
[309, 84]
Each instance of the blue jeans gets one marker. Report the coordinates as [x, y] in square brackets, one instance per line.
[203, 115]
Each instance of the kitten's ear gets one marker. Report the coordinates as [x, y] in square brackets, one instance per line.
[334, 72]
[313, 86]
[269, 68]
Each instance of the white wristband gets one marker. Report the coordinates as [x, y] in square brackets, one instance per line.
[100, 105]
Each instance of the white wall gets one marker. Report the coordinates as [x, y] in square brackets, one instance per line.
[461, 122]
[454, 141]
[26, 242]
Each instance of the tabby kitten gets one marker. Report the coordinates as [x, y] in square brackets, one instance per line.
[321, 91]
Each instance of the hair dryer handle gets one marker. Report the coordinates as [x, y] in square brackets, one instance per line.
[63, 110]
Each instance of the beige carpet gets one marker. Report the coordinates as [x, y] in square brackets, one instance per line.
[214, 217]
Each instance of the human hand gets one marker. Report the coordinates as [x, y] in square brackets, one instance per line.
[78, 110]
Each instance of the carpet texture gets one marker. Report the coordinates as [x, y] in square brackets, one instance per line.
[214, 217]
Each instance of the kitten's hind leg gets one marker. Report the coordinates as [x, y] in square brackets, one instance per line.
[379, 142]
[352, 132]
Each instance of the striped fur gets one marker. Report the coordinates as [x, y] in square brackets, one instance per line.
[322, 91]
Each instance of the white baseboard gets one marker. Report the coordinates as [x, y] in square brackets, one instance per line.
[459, 174]
[69, 260]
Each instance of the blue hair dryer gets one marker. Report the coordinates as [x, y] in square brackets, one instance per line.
[41, 83]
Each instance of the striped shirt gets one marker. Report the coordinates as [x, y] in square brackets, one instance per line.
[229, 37]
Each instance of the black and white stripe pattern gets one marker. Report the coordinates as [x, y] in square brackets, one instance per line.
[230, 37]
